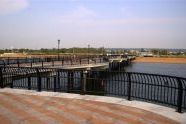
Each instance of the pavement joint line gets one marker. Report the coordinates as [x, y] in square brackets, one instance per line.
[157, 109]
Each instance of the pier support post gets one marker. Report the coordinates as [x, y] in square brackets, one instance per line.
[38, 80]
[180, 96]
[70, 80]
[103, 82]
[84, 82]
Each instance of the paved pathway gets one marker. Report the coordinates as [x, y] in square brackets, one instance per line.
[16, 108]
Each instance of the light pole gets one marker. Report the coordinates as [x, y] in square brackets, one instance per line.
[58, 49]
[73, 51]
[88, 53]
[102, 50]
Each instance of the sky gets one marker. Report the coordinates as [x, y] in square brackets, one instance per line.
[100, 23]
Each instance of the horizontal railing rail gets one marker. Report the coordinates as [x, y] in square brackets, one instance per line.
[163, 89]
[53, 61]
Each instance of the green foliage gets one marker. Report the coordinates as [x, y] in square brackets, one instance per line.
[56, 51]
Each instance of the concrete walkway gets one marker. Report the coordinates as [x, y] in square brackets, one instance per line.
[24, 106]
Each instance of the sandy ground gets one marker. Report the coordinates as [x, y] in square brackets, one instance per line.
[161, 60]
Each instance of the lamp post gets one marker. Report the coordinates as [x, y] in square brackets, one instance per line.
[58, 49]
[73, 50]
[73, 53]
[88, 53]
[102, 50]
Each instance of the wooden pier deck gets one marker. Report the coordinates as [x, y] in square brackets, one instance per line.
[87, 66]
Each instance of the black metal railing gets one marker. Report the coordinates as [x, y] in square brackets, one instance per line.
[50, 61]
[164, 89]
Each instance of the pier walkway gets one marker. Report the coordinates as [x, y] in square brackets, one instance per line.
[68, 63]
[23, 106]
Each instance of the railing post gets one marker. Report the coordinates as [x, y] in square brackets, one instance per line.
[80, 61]
[71, 62]
[31, 63]
[69, 81]
[54, 83]
[119, 66]
[29, 83]
[180, 95]
[70, 84]
[11, 85]
[38, 80]
[42, 63]
[18, 65]
[62, 62]
[1, 77]
[52, 62]
[129, 85]
[83, 82]
[47, 83]
[58, 79]
[4, 64]
[8, 61]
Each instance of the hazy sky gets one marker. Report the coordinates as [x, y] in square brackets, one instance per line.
[108, 23]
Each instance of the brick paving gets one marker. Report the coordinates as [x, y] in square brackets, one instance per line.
[34, 109]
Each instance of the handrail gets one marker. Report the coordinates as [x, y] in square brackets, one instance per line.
[169, 90]
[21, 62]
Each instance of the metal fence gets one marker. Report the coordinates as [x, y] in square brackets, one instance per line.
[48, 62]
[168, 90]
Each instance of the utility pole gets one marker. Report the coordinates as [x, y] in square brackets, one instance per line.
[58, 49]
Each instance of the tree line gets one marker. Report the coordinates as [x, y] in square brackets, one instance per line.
[74, 50]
